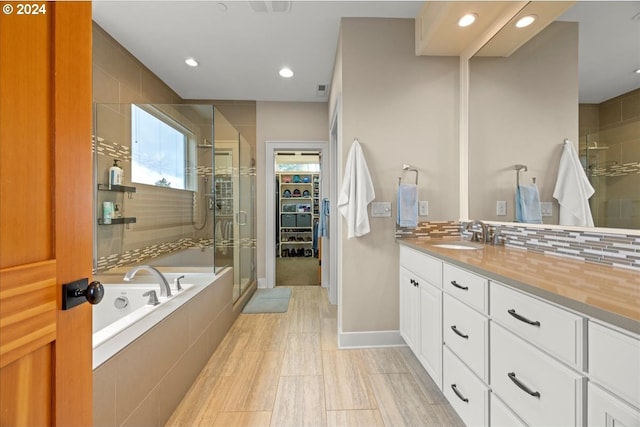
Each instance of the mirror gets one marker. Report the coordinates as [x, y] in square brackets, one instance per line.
[555, 87]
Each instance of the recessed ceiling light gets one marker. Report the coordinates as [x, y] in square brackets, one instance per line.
[286, 72]
[467, 20]
[191, 62]
[525, 21]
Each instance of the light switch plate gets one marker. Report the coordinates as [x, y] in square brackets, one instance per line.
[546, 208]
[501, 207]
[381, 209]
[423, 207]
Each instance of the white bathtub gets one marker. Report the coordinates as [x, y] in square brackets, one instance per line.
[114, 328]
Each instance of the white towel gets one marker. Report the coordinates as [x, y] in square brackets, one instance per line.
[356, 193]
[408, 205]
[528, 204]
[573, 190]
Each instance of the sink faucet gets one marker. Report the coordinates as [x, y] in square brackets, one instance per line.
[485, 231]
[165, 290]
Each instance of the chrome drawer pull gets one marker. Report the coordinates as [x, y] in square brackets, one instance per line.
[512, 377]
[522, 318]
[460, 334]
[460, 396]
[464, 288]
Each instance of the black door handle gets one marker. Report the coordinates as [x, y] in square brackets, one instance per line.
[77, 292]
[522, 318]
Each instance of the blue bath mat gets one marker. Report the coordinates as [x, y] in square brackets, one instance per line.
[274, 300]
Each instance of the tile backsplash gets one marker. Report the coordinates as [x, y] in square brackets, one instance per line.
[617, 250]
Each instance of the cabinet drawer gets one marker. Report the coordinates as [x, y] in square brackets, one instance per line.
[466, 286]
[501, 415]
[422, 265]
[539, 389]
[552, 328]
[614, 361]
[605, 409]
[466, 332]
[466, 393]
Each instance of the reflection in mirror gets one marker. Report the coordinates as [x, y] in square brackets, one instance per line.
[522, 107]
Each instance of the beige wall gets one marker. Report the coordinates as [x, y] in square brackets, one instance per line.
[282, 121]
[403, 109]
[521, 109]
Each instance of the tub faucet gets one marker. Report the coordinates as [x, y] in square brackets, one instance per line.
[165, 290]
[474, 234]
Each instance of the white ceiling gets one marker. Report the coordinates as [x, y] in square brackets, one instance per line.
[240, 50]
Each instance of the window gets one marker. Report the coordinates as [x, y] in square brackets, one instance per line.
[158, 150]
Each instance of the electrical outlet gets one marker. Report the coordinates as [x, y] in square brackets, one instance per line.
[546, 208]
[501, 207]
[423, 207]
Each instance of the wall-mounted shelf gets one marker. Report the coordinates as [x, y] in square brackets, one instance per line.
[118, 188]
[114, 221]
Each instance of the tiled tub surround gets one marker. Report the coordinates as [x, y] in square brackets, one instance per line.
[618, 250]
[601, 292]
[143, 382]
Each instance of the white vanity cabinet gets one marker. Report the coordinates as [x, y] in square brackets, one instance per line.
[614, 373]
[421, 309]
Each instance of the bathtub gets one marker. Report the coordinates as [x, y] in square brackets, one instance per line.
[124, 315]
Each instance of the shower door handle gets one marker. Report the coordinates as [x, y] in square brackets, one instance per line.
[243, 215]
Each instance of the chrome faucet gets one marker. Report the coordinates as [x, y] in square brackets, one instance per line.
[165, 290]
[474, 236]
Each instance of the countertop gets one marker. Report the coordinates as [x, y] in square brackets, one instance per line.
[605, 293]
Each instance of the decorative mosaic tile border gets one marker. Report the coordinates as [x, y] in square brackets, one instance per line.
[617, 170]
[616, 250]
[138, 255]
[430, 229]
[110, 148]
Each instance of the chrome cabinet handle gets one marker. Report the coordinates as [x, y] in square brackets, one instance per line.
[516, 381]
[460, 334]
[460, 396]
[522, 318]
[464, 288]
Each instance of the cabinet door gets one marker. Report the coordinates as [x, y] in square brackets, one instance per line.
[431, 330]
[605, 410]
[409, 310]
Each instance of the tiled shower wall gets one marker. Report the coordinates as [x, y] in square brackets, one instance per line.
[618, 250]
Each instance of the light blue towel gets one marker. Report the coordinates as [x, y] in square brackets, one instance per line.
[528, 204]
[408, 205]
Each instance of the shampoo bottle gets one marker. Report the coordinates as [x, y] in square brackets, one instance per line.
[115, 174]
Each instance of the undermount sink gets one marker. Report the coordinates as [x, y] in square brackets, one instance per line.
[463, 246]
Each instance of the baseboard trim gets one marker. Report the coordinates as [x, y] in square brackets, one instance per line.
[262, 283]
[370, 339]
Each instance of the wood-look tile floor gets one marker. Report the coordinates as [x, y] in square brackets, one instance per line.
[286, 370]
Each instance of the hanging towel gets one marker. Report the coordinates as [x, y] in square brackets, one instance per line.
[528, 204]
[408, 205]
[323, 227]
[356, 193]
[573, 189]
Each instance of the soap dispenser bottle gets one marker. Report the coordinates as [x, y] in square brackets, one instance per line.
[115, 174]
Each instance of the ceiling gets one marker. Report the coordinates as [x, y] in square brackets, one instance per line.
[240, 51]
[241, 45]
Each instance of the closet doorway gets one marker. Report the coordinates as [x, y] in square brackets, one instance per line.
[272, 205]
[297, 218]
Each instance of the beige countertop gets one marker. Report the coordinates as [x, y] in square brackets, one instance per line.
[605, 293]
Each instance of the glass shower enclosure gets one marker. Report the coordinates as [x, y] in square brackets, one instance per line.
[186, 198]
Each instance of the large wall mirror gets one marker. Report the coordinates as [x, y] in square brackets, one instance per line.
[574, 80]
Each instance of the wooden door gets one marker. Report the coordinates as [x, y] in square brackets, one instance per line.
[45, 212]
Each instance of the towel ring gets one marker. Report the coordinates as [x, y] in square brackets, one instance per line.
[406, 167]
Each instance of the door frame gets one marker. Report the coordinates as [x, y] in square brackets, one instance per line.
[270, 176]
